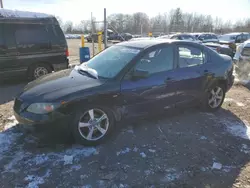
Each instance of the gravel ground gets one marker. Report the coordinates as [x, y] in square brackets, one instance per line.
[186, 148]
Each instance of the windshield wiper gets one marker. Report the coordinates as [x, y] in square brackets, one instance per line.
[88, 71]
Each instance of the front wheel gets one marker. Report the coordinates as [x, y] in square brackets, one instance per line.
[214, 98]
[93, 125]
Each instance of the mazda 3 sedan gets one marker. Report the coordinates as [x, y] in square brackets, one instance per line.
[128, 80]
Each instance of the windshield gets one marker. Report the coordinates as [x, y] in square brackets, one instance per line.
[111, 61]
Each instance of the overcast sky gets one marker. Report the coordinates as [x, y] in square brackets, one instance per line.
[76, 10]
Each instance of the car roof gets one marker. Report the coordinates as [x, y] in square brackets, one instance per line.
[236, 33]
[16, 16]
[153, 42]
[6, 13]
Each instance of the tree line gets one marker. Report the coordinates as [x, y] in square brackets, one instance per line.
[173, 21]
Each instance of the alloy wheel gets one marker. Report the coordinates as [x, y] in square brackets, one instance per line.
[93, 124]
[215, 97]
[40, 71]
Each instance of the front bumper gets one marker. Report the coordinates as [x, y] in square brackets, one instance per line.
[28, 118]
[230, 82]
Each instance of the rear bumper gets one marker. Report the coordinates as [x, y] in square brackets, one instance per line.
[61, 66]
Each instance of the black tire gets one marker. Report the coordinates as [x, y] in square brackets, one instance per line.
[206, 106]
[32, 69]
[75, 128]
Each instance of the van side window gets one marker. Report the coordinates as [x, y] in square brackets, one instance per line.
[2, 43]
[32, 37]
[57, 36]
[9, 34]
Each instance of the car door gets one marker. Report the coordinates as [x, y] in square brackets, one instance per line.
[155, 92]
[188, 75]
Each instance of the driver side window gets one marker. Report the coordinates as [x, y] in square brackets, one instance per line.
[159, 60]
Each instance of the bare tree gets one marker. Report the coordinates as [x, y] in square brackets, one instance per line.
[68, 26]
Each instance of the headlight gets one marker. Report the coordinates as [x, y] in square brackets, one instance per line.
[42, 108]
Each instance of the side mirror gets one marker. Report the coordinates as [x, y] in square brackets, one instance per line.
[139, 74]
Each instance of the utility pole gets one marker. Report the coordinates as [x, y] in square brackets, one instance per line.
[105, 29]
[1, 3]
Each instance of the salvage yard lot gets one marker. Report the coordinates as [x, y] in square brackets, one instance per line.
[187, 148]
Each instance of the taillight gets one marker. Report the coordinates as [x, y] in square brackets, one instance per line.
[67, 52]
[218, 49]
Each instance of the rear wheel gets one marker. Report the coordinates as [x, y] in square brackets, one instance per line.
[39, 70]
[93, 125]
[214, 98]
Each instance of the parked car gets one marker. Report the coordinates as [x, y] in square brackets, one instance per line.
[31, 44]
[234, 39]
[91, 37]
[120, 36]
[220, 48]
[242, 58]
[127, 80]
[208, 37]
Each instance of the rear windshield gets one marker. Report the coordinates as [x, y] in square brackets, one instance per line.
[246, 52]
[227, 37]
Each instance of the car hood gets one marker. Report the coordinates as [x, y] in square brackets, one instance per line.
[58, 85]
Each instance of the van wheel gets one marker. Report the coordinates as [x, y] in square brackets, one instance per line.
[92, 126]
[38, 71]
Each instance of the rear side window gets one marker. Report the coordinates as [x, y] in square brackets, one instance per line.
[2, 43]
[56, 35]
[190, 56]
[34, 37]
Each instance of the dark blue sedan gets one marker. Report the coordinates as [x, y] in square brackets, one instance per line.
[127, 80]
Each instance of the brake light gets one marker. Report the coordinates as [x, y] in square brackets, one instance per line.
[67, 52]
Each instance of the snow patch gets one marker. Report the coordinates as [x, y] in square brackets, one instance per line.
[240, 81]
[35, 181]
[68, 159]
[245, 149]
[7, 136]
[126, 150]
[239, 129]
[172, 175]
[10, 166]
[203, 138]
[143, 155]
[217, 166]
[228, 168]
